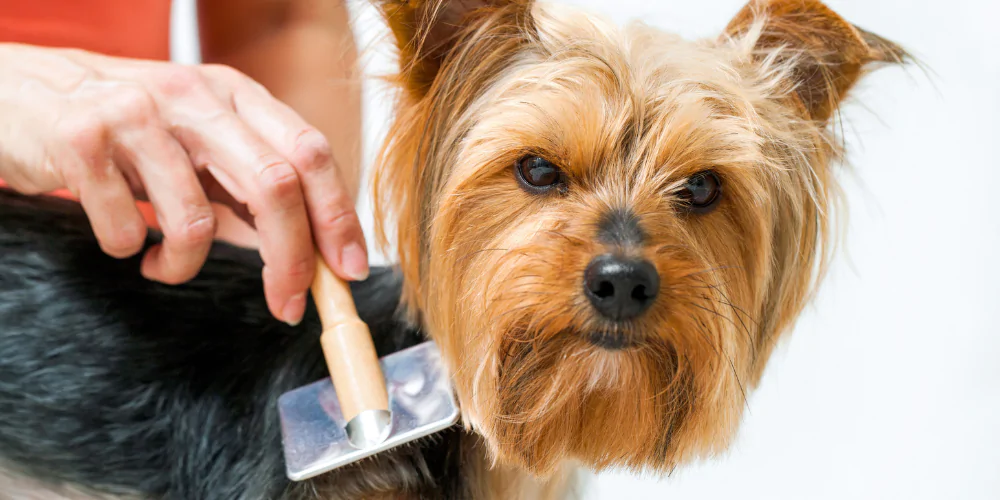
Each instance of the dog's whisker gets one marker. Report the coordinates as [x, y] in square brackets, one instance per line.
[713, 312]
[703, 329]
[750, 340]
[730, 304]
[739, 383]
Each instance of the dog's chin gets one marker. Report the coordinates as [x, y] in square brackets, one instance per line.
[611, 341]
[602, 400]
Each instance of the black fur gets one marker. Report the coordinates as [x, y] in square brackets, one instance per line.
[124, 386]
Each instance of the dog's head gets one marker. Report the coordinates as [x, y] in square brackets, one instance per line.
[606, 230]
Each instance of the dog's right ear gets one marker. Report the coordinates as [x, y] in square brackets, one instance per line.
[426, 31]
[826, 54]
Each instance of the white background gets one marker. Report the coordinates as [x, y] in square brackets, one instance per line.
[889, 387]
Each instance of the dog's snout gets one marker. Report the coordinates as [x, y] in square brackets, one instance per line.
[620, 288]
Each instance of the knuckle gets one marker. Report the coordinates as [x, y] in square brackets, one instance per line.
[97, 170]
[299, 269]
[311, 151]
[195, 230]
[224, 72]
[133, 98]
[278, 179]
[132, 106]
[87, 135]
[339, 217]
[222, 118]
[179, 81]
[232, 77]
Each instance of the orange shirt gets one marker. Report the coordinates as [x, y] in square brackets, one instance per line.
[137, 29]
[126, 28]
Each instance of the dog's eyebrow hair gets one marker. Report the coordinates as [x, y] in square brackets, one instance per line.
[560, 157]
[581, 49]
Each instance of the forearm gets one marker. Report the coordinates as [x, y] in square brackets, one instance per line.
[304, 53]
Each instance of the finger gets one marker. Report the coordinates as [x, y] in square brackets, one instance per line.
[182, 208]
[106, 198]
[262, 179]
[92, 176]
[333, 218]
[282, 217]
[293, 309]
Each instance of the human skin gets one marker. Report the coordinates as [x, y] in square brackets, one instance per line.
[269, 126]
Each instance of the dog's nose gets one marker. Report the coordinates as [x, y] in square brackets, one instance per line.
[620, 288]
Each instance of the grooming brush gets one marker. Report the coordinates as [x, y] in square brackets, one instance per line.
[367, 405]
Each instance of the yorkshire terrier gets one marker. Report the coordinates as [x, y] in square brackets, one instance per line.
[605, 230]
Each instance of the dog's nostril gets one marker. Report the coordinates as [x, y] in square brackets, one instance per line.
[639, 293]
[620, 288]
[605, 290]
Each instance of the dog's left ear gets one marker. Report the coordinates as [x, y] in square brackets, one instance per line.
[426, 30]
[826, 54]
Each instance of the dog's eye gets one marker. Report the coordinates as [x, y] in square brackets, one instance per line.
[702, 191]
[537, 174]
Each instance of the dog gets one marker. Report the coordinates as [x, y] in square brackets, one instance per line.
[606, 231]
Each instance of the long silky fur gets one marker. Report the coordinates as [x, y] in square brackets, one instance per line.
[494, 273]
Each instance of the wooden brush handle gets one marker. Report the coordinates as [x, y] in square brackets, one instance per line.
[347, 346]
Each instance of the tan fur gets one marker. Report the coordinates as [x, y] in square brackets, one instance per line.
[495, 273]
[504, 482]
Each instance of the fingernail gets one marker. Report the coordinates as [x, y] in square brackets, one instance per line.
[354, 261]
[294, 309]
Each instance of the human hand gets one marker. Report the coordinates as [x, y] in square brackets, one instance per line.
[115, 130]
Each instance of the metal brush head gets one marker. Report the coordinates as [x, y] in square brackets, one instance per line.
[316, 438]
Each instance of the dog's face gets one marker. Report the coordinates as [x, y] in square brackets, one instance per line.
[606, 230]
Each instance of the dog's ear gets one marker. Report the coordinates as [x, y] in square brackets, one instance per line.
[825, 54]
[449, 52]
[426, 30]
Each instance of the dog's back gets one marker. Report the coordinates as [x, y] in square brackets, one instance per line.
[114, 385]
